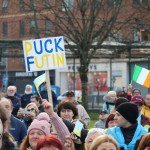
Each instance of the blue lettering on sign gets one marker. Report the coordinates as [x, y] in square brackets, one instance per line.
[29, 62]
[57, 45]
[41, 48]
[45, 45]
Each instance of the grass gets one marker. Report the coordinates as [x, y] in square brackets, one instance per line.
[94, 117]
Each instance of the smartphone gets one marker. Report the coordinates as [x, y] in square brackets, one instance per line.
[24, 111]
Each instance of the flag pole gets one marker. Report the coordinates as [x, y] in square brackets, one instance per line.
[48, 86]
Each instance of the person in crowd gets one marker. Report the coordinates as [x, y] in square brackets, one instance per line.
[40, 127]
[146, 106]
[15, 101]
[67, 111]
[83, 115]
[132, 92]
[102, 120]
[92, 134]
[16, 93]
[28, 114]
[25, 98]
[127, 130]
[44, 95]
[109, 100]
[144, 143]
[17, 128]
[49, 142]
[139, 101]
[37, 100]
[6, 140]
[110, 122]
[136, 92]
[104, 142]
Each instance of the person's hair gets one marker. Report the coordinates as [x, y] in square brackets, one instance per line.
[119, 101]
[47, 141]
[109, 118]
[102, 139]
[144, 142]
[67, 105]
[93, 131]
[37, 98]
[6, 135]
[35, 107]
[25, 143]
[135, 90]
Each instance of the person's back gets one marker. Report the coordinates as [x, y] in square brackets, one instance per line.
[127, 130]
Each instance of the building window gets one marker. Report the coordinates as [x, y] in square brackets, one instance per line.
[140, 1]
[32, 27]
[22, 30]
[4, 5]
[140, 35]
[47, 27]
[114, 3]
[5, 29]
[67, 4]
[47, 3]
[21, 4]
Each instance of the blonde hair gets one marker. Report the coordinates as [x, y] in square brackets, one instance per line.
[102, 139]
[35, 107]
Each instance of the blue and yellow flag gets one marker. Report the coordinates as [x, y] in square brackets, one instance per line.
[39, 80]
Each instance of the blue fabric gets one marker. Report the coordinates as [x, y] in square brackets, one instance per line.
[18, 129]
[25, 100]
[117, 134]
[139, 118]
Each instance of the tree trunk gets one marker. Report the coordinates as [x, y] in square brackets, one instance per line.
[83, 70]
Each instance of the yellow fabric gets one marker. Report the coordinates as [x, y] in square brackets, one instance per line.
[146, 111]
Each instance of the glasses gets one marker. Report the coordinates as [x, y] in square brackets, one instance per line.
[32, 109]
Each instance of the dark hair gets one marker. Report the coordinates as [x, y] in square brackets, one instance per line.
[67, 105]
[109, 118]
[37, 98]
[119, 101]
[135, 90]
[49, 140]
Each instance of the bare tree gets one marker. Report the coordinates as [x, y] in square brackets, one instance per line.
[86, 23]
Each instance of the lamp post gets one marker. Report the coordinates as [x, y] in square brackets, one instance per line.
[98, 91]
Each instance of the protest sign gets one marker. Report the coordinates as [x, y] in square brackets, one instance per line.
[44, 54]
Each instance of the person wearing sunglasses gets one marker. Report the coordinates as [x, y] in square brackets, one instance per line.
[28, 114]
[139, 101]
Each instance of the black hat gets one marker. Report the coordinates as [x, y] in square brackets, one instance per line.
[129, 111]
[103, 111]
[70, 93]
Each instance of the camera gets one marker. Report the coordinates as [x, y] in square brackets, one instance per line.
[24, 111]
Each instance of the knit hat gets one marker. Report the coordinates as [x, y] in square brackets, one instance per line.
[41, 123]
[129, 111]
[137, 99]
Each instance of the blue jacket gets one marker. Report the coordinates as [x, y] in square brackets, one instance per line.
[17, 129]
[117, 134]
[25, 100]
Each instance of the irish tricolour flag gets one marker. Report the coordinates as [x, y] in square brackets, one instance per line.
[141, 76]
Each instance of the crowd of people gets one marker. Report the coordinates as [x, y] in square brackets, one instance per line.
[31, 122]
